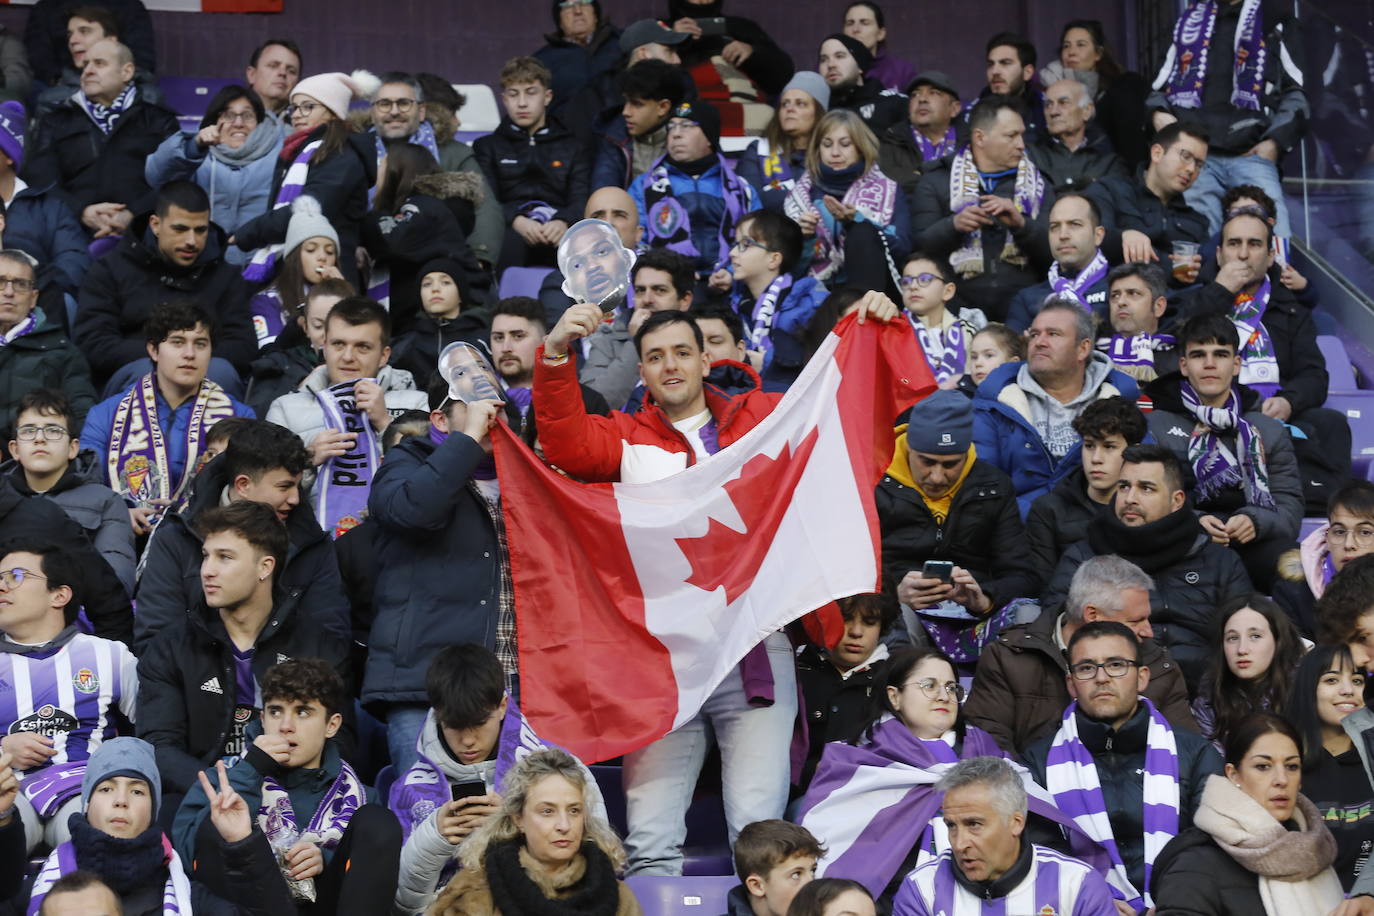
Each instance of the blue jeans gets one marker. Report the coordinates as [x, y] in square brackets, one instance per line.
[755, 743]
[1222, 172]
[404, 722]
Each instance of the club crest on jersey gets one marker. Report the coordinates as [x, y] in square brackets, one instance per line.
[48, 721]
[86, 681]
[242, 714]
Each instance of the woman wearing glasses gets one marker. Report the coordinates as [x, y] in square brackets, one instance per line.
[1348, 533]
[323, 157]
[916, 727]
[232, 156]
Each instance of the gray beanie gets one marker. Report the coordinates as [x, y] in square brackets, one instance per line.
[307, 222]
[813, 84]
[132, 757]
[942, 424]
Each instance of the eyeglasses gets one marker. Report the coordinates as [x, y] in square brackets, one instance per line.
[305, 108]
[678, 124]
[934, 690]
[13, 578]
[238, 117]
[19, 283]
[745, 244]
[1115, 667]
[920, 280]
[28, 432]
[404, 106]
[571, 4]
[1338, 534]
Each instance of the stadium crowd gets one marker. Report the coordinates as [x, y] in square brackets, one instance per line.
[254, 564]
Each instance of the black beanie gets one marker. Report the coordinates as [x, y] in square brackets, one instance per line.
[862, 56]
[455, 271]
[706, 115]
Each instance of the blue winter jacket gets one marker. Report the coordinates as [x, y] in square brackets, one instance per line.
[96, 433]
[787, 358]
[237, 193]
[39, 222]
[703, 198]
[1005, 436]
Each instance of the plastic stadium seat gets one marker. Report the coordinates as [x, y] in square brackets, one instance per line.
[522, 281]
[1338, 368]
[1358, 407]
[385, 778]
[1308, 526]
[660, 895]
[189, 96]
[481, 114]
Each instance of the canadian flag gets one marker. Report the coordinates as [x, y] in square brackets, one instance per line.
[634, 601]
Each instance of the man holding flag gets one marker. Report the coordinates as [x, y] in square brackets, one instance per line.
[683, 605]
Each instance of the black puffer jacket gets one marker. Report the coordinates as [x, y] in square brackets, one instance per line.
[880, 108]
[1058, 520]
[43, 358]
[170, 584]
[1073, 170]
[186, 695]
[982, 533]
[340, 183]
[1193, 876]
[121, 289]
[280, 368]
[417, 350]
[1193, 577]
[900, 158]
[89, 167]
[553, 166]
[1120, 759]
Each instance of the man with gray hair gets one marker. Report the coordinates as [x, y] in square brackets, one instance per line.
[1024, 412]
[1019, 690]
[1074, 152]
[991, 866]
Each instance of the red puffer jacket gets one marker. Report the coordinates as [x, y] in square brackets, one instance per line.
[629, 447]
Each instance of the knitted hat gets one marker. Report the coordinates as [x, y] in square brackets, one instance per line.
[813, 84]
[333, 90]
[132, 757]
[12, 119]
[862, 56]
[705, 115]
[942, 424]
[307, 222]
[456, 273]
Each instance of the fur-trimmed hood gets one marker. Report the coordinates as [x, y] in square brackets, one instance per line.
[453, 186]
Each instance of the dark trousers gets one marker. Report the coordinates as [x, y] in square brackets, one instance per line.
[360, 878]
[516, 252]
[866, 260]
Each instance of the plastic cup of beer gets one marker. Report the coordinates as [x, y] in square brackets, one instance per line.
[1183, 260]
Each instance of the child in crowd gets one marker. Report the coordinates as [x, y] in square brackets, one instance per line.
[52, 464]
[991, 347]
[774, 860]
[945, 336]
[312, 255]
[775, 307]
[838, 681]
[65, 692]
[337, 852]
[449, 792]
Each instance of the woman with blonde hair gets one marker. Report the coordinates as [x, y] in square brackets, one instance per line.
[854, 217]
[544, 854]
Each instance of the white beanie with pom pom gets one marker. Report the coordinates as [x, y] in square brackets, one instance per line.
[333, 90]
[307, 222]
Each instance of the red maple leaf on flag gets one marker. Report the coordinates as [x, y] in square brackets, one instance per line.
[761, 494]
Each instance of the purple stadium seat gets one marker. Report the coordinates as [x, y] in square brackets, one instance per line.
[1338, 368]
[1308, 526]
[660, 895]
[189, 96]
[522, 281]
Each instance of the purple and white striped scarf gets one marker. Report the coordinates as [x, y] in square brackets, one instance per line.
[966, 190]
[945, 349]
[1185, 67]
[264, 261]
[1259, 366]
[873, 194]
[176, 894]
[760, 325]
[871, 804]
[19, 330]
[932, 151]
[106, 116]
[1071, 777]
[345, 795]
[1078, 286]
[345, 481]
[1135, 349]
[1216, 467]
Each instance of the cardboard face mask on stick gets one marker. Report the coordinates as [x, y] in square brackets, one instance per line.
[595, 265]
[469, 374]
